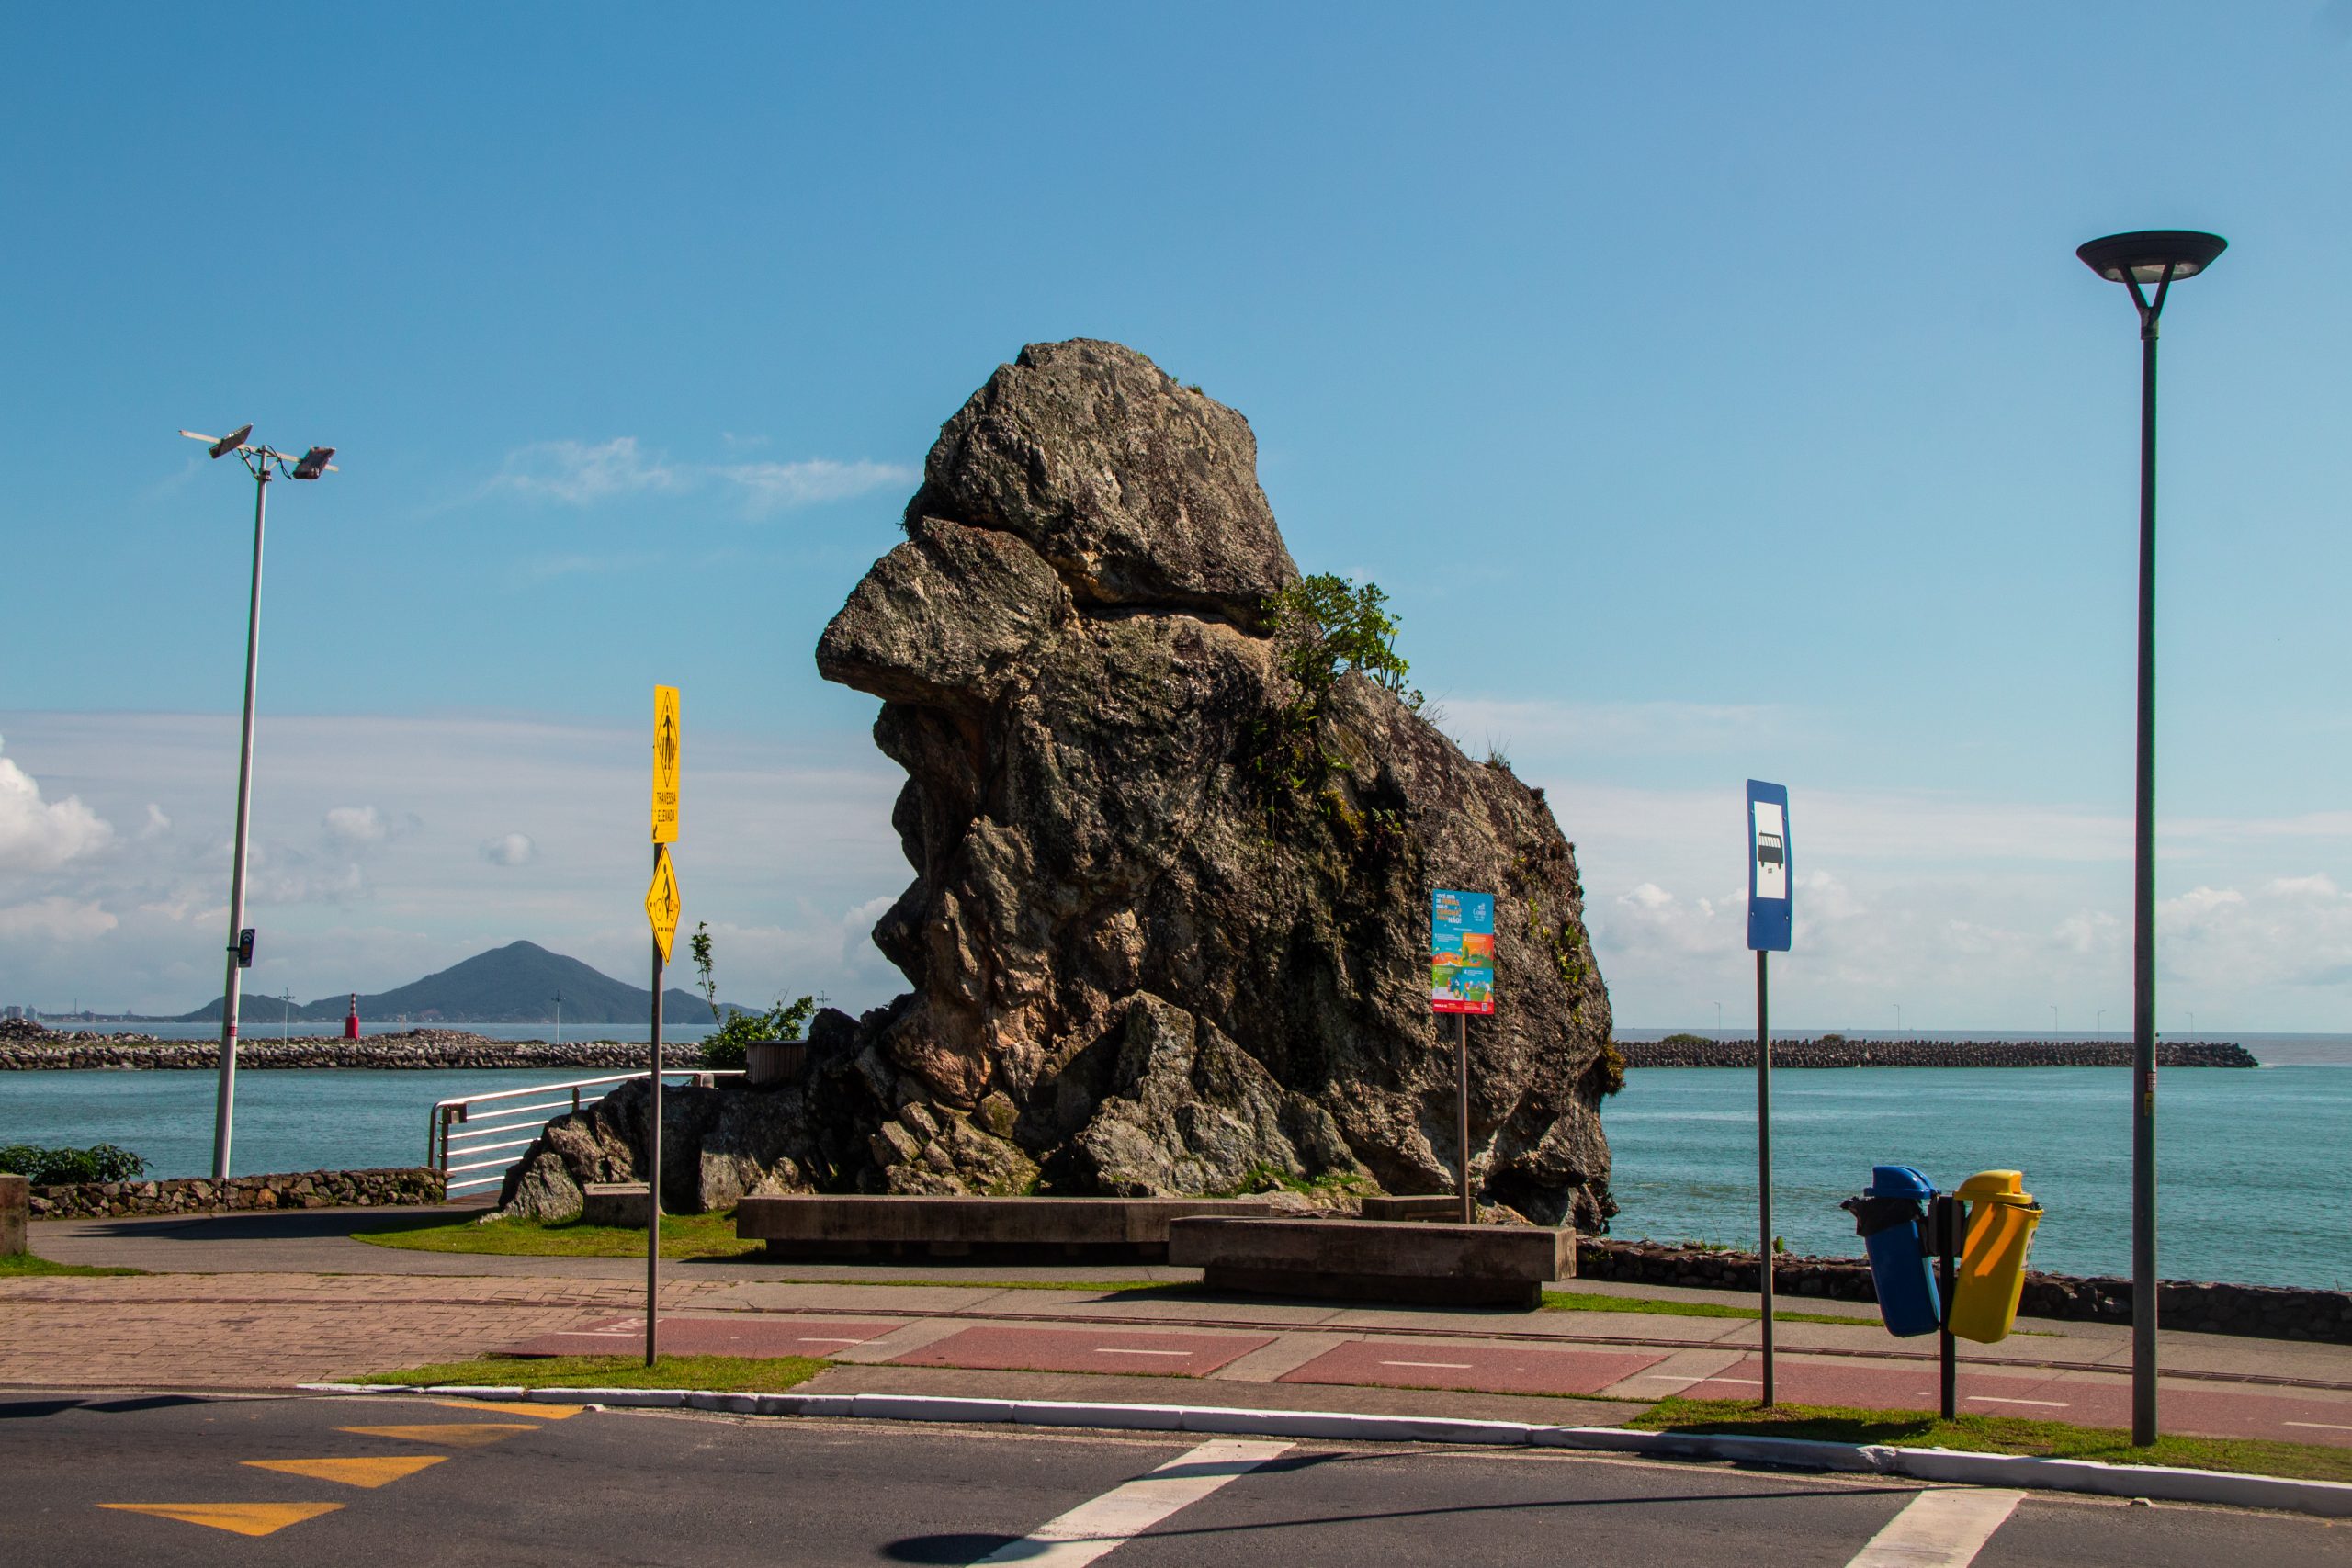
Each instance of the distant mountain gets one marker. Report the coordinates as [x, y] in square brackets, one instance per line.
[515, 984]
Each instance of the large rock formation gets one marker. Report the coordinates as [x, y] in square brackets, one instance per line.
[1169, 927]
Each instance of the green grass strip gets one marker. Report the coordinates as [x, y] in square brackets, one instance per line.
[724, 1374]
[1587, 1301]
[683, 1235]
[24, 1265]
[1996, 1434]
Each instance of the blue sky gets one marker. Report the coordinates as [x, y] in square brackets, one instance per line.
[1738, 355]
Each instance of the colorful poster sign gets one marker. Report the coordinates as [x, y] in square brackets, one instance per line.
[1462, 952]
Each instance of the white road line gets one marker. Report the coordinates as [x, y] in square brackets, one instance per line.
[2317, 1426]
[1996, 1399]
[1446, 1366]
[827, 1339]
[1117, 1516]
[1116, 1350]
[1938, 1529]
[1751, 1382]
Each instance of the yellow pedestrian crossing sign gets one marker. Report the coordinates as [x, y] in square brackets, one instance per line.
[665, 765]
[661, 905]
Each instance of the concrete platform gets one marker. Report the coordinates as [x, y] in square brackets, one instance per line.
[993, 1229]
[614, 1203]
[1347, 1259]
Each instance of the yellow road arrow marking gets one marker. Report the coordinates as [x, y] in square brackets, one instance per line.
[456, 1434]
[375, 1471]
[240, 1519]
[517, 1407]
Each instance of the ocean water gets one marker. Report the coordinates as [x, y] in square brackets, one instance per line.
[256, 1025]
[2249, 1162]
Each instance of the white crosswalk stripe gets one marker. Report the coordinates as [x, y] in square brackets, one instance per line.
[1939, 1530]
[1117, 1516]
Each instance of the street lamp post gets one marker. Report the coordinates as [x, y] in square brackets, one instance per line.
[265, 464]
[2162, 257]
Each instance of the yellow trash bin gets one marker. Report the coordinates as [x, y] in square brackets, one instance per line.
[1995, 1238]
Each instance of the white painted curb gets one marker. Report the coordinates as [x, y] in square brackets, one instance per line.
[2156, 1483]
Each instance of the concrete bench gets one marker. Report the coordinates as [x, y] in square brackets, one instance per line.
[1453, 1265]
[1105, 1229]
[1443, 1207]
[613, 1203]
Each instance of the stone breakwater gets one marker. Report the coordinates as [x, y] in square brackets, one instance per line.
[419, 1049]
[1836, 1051]
[2270, 1311]
[196, 1195]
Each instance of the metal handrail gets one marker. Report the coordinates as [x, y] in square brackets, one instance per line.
[487, 1116]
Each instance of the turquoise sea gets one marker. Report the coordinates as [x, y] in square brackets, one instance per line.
[2248, 1161]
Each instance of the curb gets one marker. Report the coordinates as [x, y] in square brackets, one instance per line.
[2329, 1500]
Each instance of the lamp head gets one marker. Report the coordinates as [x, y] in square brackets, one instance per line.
[2144, 256]
[313, 463]
[229, 443]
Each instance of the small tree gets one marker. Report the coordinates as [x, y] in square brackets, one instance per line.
[1326, 624]
[729, 1044]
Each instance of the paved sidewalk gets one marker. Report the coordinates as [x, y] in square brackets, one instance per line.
[262, 1301]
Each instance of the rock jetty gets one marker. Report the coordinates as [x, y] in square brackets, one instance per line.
[1836, 1051]
[418, 1049]
[1169, 925]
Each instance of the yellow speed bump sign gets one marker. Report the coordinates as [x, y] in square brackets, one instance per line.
[665, 768]
[661, 905]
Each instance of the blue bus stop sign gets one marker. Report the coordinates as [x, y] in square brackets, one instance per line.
[1768, 917]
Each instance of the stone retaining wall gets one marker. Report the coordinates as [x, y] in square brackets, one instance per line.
[196, 1195]
[2270, 1311]
[1836, 1051]
[420, 1049]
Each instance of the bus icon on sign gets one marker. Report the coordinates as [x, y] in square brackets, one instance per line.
[1771, 852]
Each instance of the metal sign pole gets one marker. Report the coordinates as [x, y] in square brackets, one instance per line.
[653, 1162]
[1764, 1164]
[1462, 1116]
[1770, 922]
[1946, 1224]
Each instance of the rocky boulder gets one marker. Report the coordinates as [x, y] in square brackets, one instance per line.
[1167, 932]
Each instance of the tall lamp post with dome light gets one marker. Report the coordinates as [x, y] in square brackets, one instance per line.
[2159, 257]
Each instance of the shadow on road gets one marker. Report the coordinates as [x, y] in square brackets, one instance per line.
[276, 1225]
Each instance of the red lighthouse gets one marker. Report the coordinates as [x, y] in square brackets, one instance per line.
[351, 1018]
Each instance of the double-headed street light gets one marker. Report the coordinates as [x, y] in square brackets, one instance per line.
[265, 464]
[2161, 257]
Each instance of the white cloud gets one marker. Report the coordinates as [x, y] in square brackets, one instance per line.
[354, 825]
[54, 920]
[510, 849]
[1553, 729]
[581, 473]
[37, 835]
[157, 824]
[778, 487]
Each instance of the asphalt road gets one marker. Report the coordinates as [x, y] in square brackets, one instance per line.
[104, 1479]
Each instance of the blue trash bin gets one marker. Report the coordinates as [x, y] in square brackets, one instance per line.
[1891, 1215]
